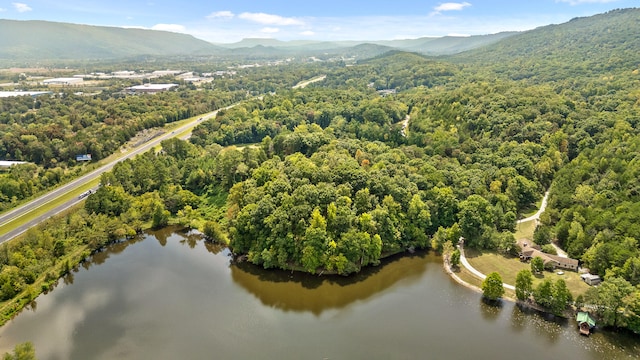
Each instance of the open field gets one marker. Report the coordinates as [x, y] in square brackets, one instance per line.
[525, 230]
[508, 267]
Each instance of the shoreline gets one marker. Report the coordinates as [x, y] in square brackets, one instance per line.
[457, 279]
[529, 305]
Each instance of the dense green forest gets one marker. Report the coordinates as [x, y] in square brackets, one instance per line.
[51, 130]
[327, 179]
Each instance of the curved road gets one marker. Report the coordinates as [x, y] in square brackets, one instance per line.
[536, 216]
[467, 265]
[66, 188]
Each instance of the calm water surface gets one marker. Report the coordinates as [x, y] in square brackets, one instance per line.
[173, 296]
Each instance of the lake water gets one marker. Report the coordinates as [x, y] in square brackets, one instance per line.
[170, 295]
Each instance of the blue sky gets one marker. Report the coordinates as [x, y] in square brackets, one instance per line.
[232, 20]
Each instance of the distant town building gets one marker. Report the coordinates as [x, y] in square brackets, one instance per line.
[5, 164]
[123, 73]
[63, 81]
[387, 92]
[166, 72]
[220, 73]
[186, 75]
[150, 88]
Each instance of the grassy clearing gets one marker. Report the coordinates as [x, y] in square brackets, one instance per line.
[508, 267]
[525, 230]
[466, 276]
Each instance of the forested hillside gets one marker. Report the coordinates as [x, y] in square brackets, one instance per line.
[583, 47]
[44, 40]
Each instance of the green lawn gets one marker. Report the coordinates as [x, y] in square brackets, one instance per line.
[525, 230]
[508, 267]
[469, 278]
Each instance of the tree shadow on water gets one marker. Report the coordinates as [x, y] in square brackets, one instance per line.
[490, 309]
[298, 291]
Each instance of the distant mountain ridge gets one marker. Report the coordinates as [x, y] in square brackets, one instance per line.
[426, 45]
[45, 40]
[590, 39]
[608, 40]
[35, 39]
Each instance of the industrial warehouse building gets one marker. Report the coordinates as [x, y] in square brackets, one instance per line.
[63, 81]
[150, 88]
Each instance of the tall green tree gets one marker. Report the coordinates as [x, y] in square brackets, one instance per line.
[492, 287]
[543, 293]
[475, 217]
[609, 298]
[524, 285]
[537, 265]
[561, 297]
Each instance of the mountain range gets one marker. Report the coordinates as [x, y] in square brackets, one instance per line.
[42, 40]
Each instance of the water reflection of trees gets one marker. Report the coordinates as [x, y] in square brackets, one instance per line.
[191, 237]
[101, 255]
[68, 278]
[490, 309]
[296, 291]
[544, 325]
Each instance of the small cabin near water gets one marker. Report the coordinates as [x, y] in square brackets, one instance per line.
[585, 323]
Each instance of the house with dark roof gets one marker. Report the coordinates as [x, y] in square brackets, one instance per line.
[550, 261]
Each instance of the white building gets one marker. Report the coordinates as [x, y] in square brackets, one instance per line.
[166, 72]
[63, 81]
[5, 164]
[123, 73]
[591, 279]
[151, 88]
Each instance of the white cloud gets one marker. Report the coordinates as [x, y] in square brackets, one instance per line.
[270, 30]
[374, 27]
[169, 27]
[578, 2]
[450, 6]
[221, 15]
[1, 9]
[21, 7]
[269, 19]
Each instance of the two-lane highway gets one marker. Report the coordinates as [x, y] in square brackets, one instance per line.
[26, 209]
